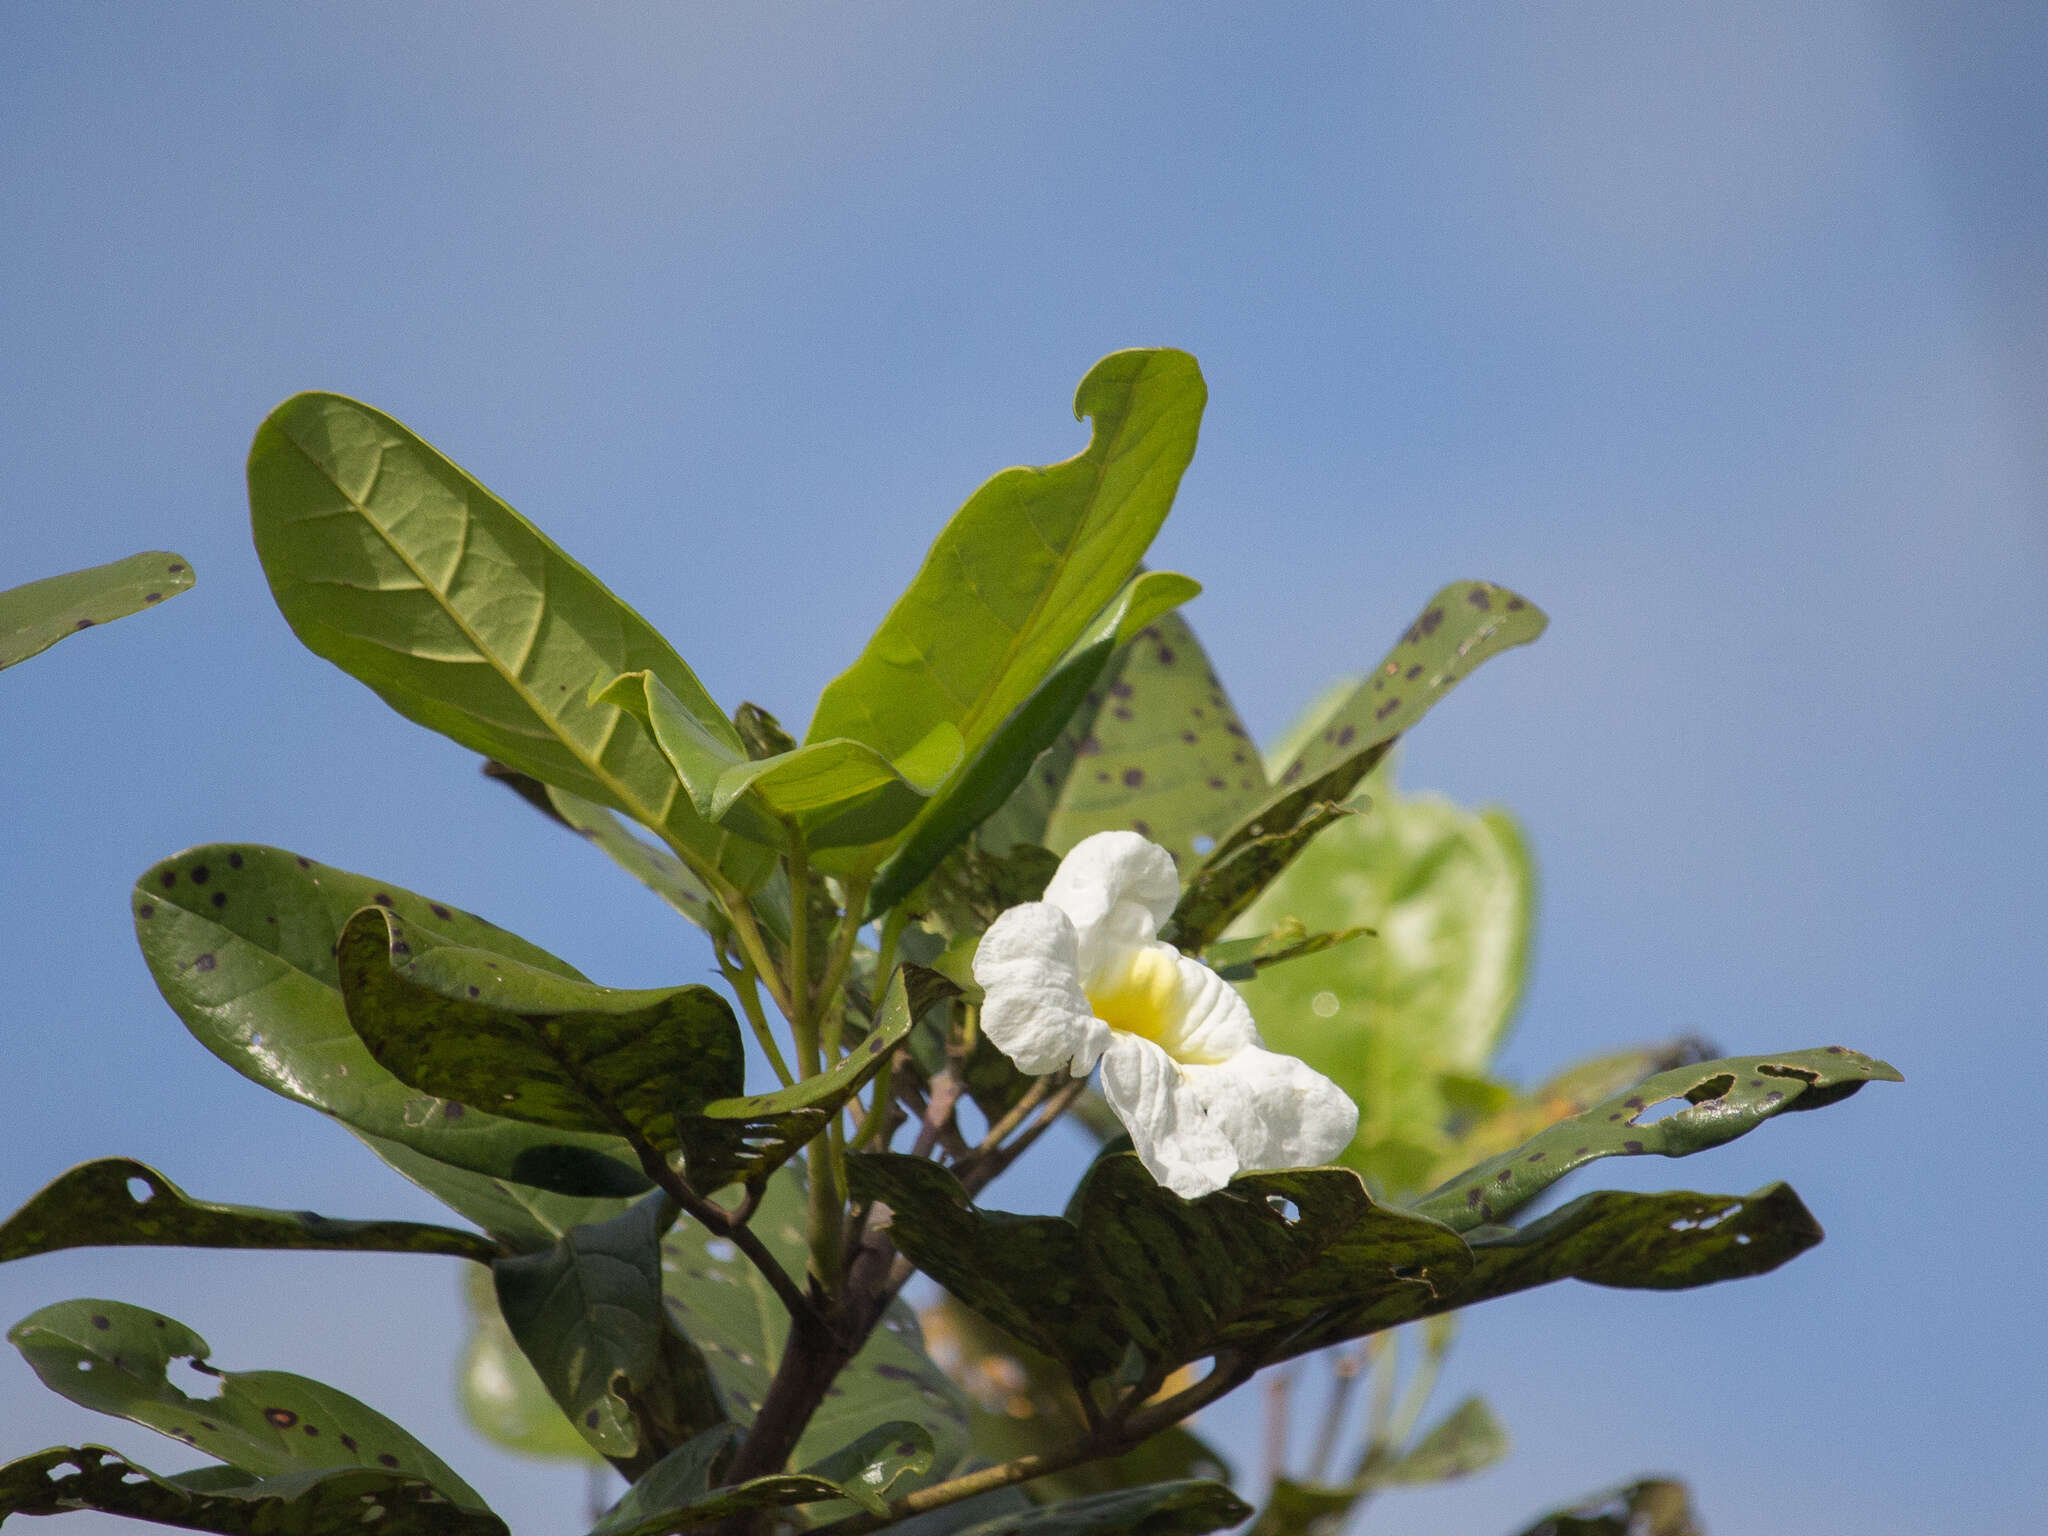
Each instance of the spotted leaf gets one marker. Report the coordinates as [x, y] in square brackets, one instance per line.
[36, 616]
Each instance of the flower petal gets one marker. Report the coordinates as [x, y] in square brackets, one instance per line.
[1118, 888]
[1275, 1111]
[1215, 1022]
[1035, 1012]
[1174, 1136]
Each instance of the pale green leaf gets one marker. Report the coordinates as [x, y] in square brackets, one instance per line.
[36, 616]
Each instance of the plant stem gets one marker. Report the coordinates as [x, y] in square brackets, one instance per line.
[743, 979]
[716, 1219]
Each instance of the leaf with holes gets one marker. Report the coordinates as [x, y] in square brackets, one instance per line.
[485, 1030]
[241, 941]
[720, 1301]
[1020, 570]
[525, 1219]
[36, 616]
[115, 1359]
[500, 1393]
[746, 1139]
[99, 1205]
[1654, 1507]
[392, 563]
[342, 1502]
[1161, 1509]
[1463, 625]
[995, 777]
[1468, 1439]
[1160, 750]
[1724, 1099]
[1248, 1269]
[588, 1315]
[676, 1495]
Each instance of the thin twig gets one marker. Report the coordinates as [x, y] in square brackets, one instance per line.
[742, 980]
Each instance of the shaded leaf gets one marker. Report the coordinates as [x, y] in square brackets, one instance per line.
[35, 616]
[1023, 566]
[392, 563]
[1653, 1507]
[520, 1216]
[241, 941]
[588, 1315]
[344, 1502]
[98, 1204]
[993, 779]
[1222, 888]
[1462, 626]
[114, 1358]
[721, 1302]
[483, 1029]
[501, 1394]
[1725, 1099]
[1242, 959]
[1162, 1509]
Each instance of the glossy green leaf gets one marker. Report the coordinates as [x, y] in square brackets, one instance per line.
[1463, 625]
[485, 1030]
[1653, 1507]
[350, 1501]
[720, 1301]
[1161, 751]
[241, 941]
[522, 1217]
[392, 563]
[499, 1391]
[1468, 1440]
[588, 1315]
[1021, 569]
[36, 616]
[746, 1138]
[115, 1358]
[844, 793]
[676, 1496]
[1247, 1269]
[1161, 1509]
[1242, 959]
[1724, 1099]
[117, 1202]
[992, 782]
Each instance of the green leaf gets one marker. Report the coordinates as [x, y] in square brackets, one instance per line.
[1162, 1509]
[241, 941]
[720, 1301]
[1468, 1440]
[588, 1315]
[1242, 959]
[392, 563]
[346, 1502]
[1725, 1099]
[1221, 889]
[1250, 1268]
[1160, 751]
[484, 1029]
[745, 1139]
[501, 1394]
[1654, 1507]
[1022, 568]
[994, 779]
[115, 1358]
[522, 1217]
[36, 616]
[1463, 625]
[843, 793]
[99, 1204]
[676, 1496]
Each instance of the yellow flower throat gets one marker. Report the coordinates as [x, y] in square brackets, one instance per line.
[1140, 994]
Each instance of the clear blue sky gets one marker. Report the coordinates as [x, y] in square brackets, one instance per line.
[1720, 331]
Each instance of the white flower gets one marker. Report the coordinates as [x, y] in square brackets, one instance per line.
[1082, 976]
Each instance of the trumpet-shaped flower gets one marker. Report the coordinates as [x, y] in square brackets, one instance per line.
[1083, 976]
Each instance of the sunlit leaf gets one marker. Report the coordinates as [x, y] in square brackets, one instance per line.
[36, 616]
[1242, 959]
[117, 1202]
[241, 941]
[391, 562]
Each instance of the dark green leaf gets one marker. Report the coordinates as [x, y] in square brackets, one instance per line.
[241, 940]
[529, 1044]
[1162, 1509]
[746, 1138]
[392, 563]
[114, 1358]
[525, 1219]
[720, 1301]
[1242, 959]
[1022, 568]
[992, 780]
[588, 1315]
[36, 616]
[352, 1501]
[1653, 1507]
[1222, 888]
[1463, 625]
[1725, 1099]
[99, 1204]
[501, 1394]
